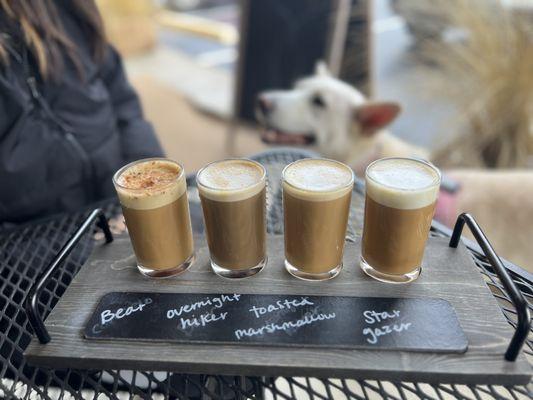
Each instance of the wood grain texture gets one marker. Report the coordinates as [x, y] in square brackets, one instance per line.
[448, 273]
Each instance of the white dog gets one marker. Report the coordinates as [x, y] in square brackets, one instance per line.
[334, 116]
[344, 125]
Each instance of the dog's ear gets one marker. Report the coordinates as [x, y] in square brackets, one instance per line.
[321, 68]
[374, 116]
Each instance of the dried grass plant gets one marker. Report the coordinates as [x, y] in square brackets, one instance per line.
[489, 77]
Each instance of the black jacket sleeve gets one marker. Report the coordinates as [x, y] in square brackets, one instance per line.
[137, 136]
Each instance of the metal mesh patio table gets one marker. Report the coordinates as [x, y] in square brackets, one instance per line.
[26, 250]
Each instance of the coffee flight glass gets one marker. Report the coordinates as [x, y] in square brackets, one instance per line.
[233, 197]
[401, 194]
[153, 195]
[316, 204]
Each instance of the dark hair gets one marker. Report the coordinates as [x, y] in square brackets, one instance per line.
[45, 36]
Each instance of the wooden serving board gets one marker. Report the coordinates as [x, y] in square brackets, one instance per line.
[448, 274]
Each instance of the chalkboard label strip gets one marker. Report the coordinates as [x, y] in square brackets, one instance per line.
[410, 324]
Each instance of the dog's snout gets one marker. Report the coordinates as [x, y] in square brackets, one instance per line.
[265, 105]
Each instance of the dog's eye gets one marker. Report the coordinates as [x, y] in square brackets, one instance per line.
[318, 101]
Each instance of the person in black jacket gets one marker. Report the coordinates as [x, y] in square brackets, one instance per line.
[68, 116]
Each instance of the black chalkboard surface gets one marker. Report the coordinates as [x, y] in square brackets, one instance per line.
[280, 320]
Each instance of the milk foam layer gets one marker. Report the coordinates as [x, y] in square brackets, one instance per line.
[317, 179]
[150, 183]
[402, 183]
[231, 180]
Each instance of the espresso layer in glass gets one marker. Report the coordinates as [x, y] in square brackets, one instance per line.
[315, 232]
[316, 202]
[156, 210]
[394, 239]
[160, 237]
[236, 231]
[233, 197]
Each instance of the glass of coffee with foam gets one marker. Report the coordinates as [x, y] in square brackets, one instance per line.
[153, 195]
[316, 204]
[233, 196]
[400, 201]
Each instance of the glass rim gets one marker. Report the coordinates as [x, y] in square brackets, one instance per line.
[350, 183]
[122, 169]
[261, 180]
[416, 160]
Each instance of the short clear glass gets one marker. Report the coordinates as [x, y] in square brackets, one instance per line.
[233, 197]
[401, 194]
[316, 205]
[157, 218]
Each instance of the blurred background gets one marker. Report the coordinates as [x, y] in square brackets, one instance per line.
[198, 64]
[461, 69]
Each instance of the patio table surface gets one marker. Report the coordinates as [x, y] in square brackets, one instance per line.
[27, 250]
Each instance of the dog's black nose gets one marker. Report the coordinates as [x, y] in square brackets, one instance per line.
[266, 106]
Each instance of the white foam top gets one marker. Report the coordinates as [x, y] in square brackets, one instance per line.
[231, 180]
[402, 183]
[150, 183]
[317, 179]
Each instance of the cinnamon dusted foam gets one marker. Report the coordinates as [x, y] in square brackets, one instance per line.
[150, 183]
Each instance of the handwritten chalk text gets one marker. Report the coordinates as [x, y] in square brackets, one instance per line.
[202, 320]
[285, 326]
[280, 305]
[375, 333]
[216, 302]
[108, 315]
[374, 317]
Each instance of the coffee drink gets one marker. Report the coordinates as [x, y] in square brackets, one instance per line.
[153, 195]
[400, 201]
[233, 195]
[316, 203]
